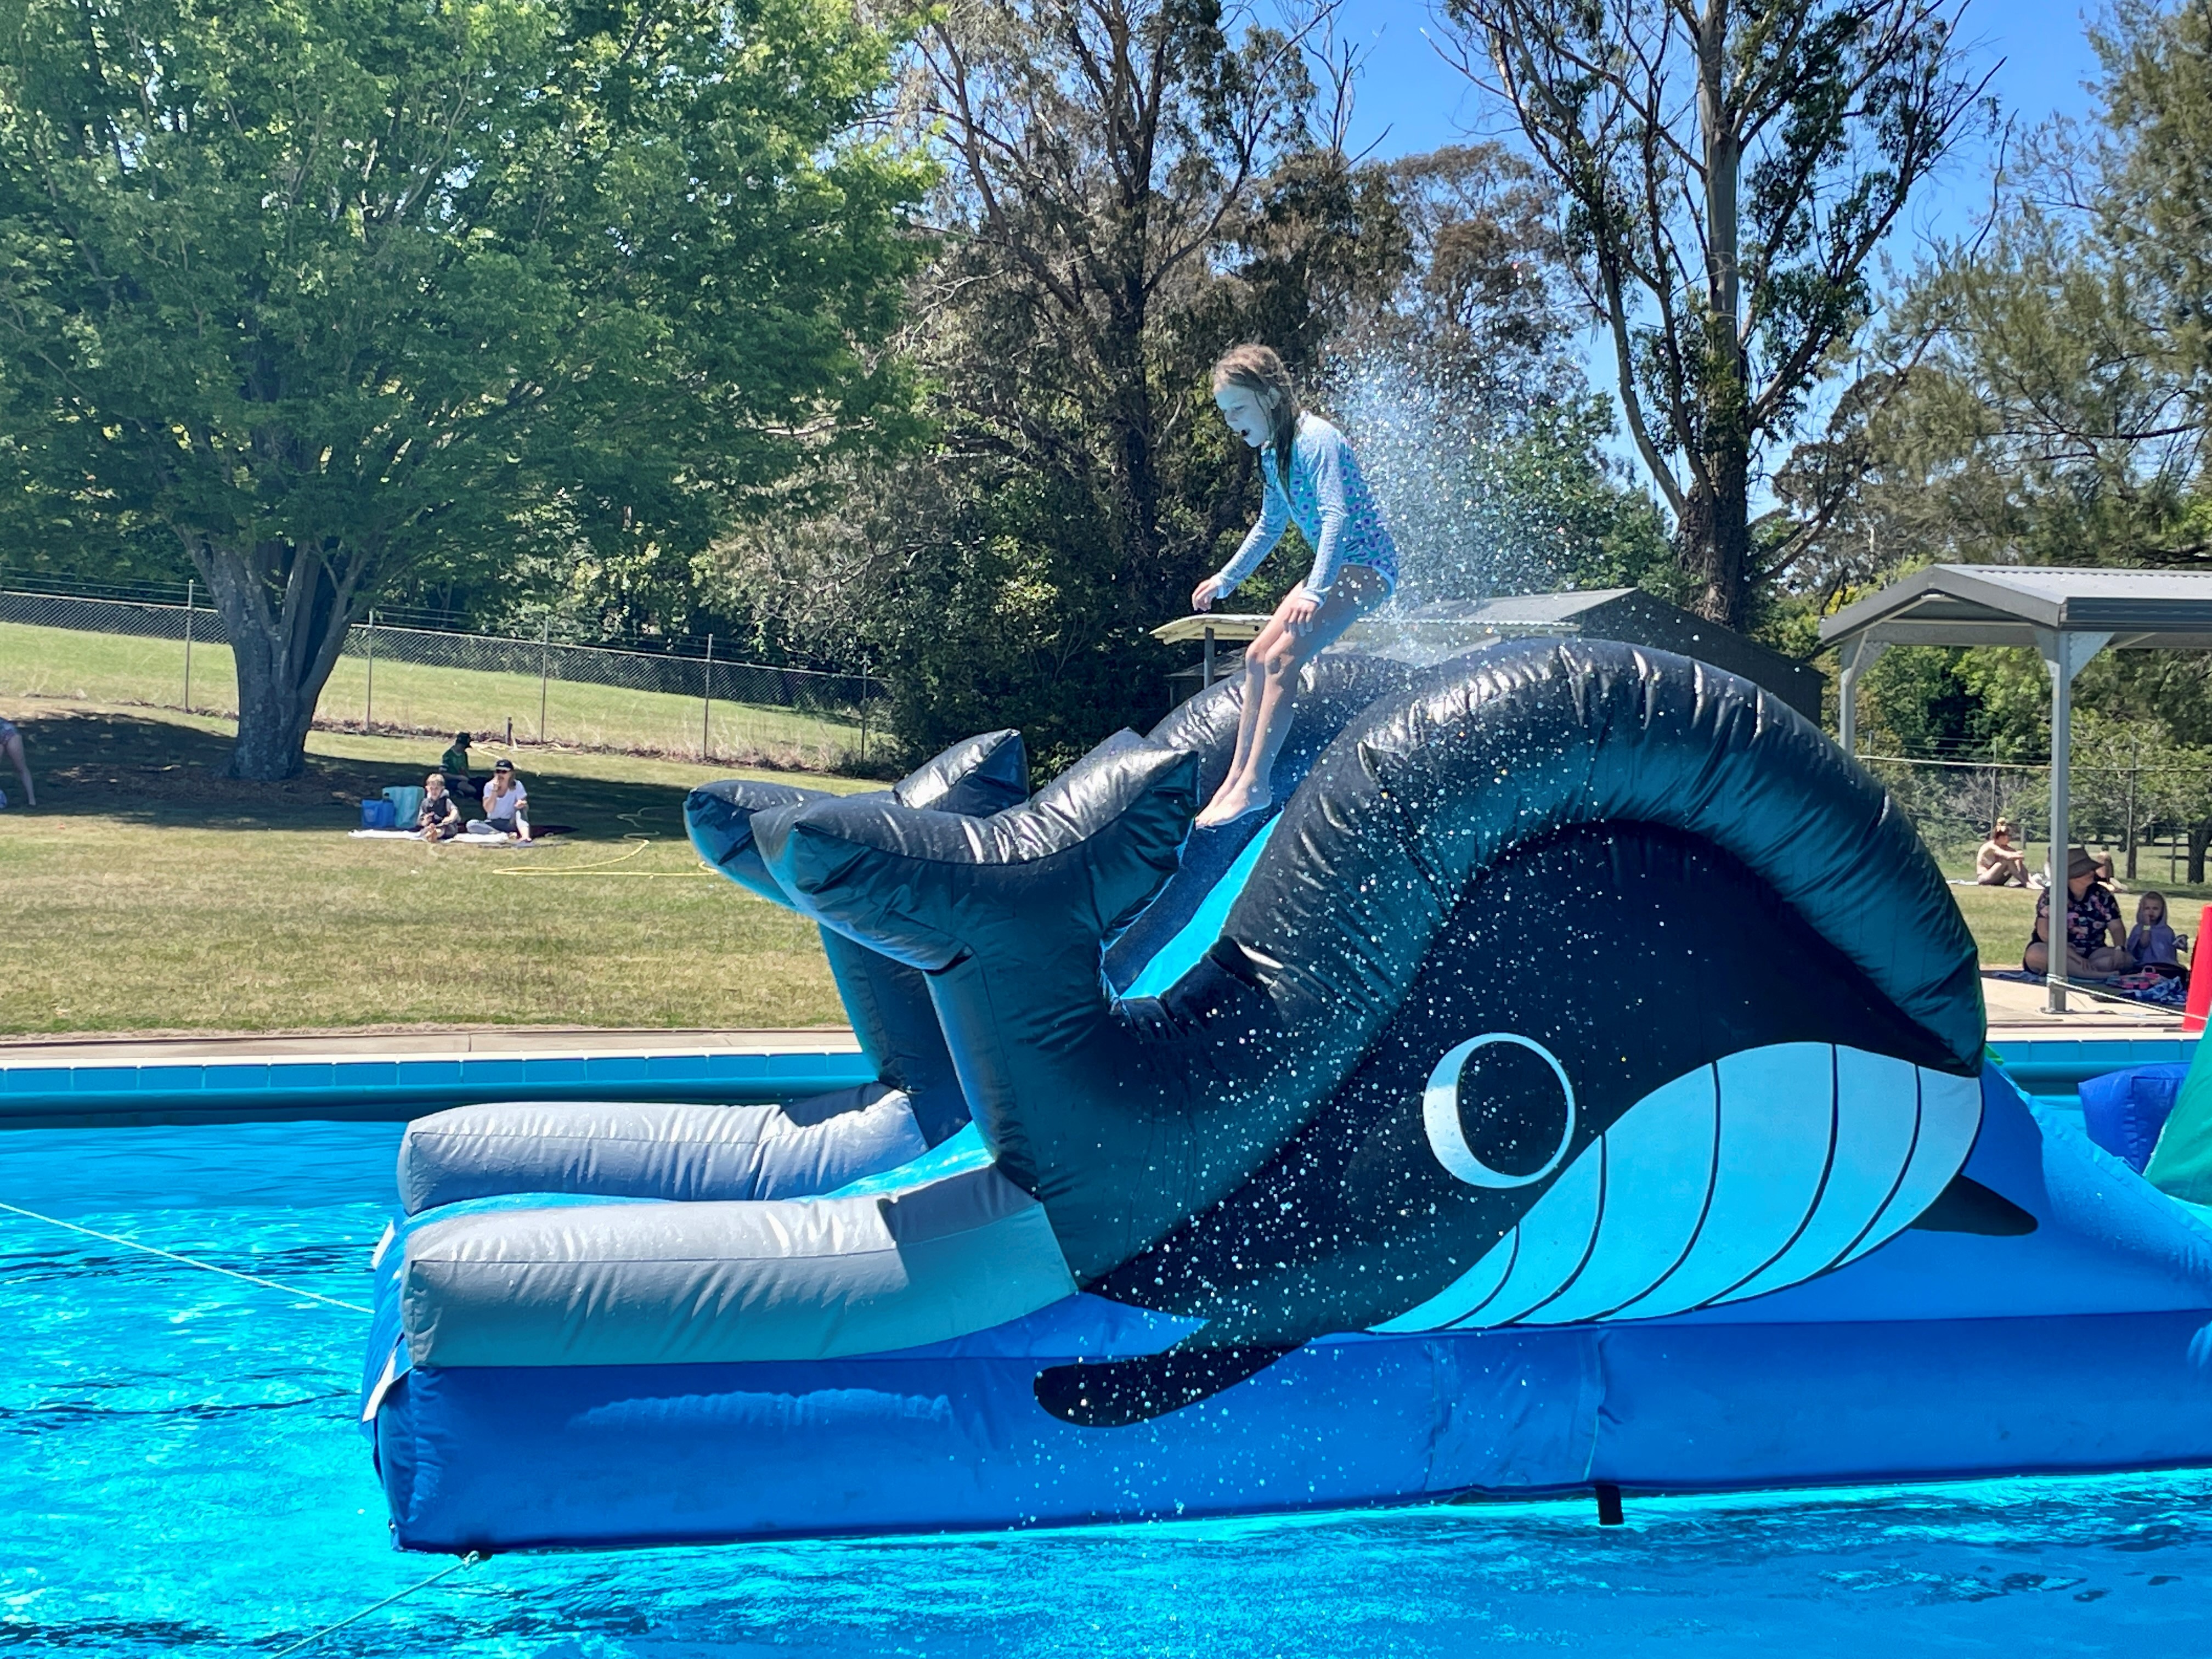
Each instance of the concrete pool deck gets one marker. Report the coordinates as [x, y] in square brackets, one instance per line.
[413, 1045]
[84, 1079]
[2015, 1011]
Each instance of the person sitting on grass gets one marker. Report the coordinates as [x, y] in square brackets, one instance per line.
[2092, 917]
[454, 762]
[2000, 864]
[2151, 942]
[505, 802]
[440, 818]
[11, 745]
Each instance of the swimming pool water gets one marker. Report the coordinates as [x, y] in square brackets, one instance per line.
[180, 1471]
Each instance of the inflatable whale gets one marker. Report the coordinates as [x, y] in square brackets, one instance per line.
[1580, 1001]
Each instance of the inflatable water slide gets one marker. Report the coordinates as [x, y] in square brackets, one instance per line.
[1577, 1081]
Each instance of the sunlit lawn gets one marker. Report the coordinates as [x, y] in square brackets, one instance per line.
[116, 669]
[147, 892]
[2001, 917]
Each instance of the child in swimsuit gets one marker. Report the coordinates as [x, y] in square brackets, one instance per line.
[1312, 480]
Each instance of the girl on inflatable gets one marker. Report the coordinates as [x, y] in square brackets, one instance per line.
[1312, 480]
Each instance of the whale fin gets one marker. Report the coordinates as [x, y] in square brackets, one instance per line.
[975, 779]
[887, 1002]
[1115, 1393]
[1967, 1206]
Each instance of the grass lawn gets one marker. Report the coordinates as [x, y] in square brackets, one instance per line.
[147, 892]
[116, 669]
[2001, 917]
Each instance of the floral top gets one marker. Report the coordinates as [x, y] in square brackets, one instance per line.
[2086, 918]
[1328, 501]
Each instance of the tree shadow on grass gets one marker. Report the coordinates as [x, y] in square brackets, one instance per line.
[144, 770]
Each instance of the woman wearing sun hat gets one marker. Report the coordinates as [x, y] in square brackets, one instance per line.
[2096, 941]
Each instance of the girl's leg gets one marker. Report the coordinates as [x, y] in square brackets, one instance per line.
[1245, 790]
[1248, 718]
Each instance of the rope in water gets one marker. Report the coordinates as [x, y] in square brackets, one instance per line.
[468, 1560]
[189, 1261]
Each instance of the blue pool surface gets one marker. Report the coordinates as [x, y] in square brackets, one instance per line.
[180, 1471]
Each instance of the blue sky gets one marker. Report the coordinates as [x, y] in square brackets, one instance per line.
[1411, 99]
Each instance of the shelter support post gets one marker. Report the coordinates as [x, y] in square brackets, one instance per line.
[1858, 655]
[2065, 654]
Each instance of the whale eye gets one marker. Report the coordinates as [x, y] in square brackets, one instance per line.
[1499, 1111]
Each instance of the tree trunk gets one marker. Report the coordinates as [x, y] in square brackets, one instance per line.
[284, 650]
[1713, 542]
[1130, 415]
[2200, 837]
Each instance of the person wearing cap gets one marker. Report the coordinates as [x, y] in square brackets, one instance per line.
[2096, 944]
[505, 802]
[2001, 864]
[454, 764]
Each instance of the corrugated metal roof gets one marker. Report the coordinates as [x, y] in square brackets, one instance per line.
[2007, 605]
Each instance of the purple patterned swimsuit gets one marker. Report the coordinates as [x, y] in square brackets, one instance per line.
[1329, 501]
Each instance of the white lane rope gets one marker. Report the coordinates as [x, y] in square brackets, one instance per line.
[468, 1560]
[189, 1261]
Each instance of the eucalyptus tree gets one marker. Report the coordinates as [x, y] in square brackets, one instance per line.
[1728, 170]
[330, 291]
[1099, 153]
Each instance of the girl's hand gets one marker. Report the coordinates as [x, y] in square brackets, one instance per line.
[1296, 612]
[1203, 596]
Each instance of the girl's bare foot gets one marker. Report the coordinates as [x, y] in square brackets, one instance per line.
[1231, 803]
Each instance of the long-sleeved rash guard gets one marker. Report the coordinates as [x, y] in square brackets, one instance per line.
[1328, 501]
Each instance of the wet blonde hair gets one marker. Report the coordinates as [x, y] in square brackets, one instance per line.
[1261, 371]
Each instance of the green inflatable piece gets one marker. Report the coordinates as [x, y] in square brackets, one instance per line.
[2181, 1163]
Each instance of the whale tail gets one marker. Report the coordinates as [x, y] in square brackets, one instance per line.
[887, 1001]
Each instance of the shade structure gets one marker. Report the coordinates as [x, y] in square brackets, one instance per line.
[2067, 614]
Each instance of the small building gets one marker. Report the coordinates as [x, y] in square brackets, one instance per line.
[1444, 628]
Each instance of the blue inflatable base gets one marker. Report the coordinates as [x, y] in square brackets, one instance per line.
[509, 1459]
[2085, 1346]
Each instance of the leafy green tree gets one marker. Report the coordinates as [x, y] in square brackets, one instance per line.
[1727, 174]
[335, 293]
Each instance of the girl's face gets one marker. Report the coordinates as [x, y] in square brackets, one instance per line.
[2151, 912]
[1246, 413]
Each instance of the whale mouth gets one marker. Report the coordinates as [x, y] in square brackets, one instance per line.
[1766, 1168]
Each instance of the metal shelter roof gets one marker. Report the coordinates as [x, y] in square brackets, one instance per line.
[2007, 605]
[2068, 614]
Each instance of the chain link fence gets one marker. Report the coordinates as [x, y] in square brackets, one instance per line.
[681, 702]
[2150, 809]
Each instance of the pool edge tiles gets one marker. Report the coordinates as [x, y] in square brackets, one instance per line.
[402, 1086]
